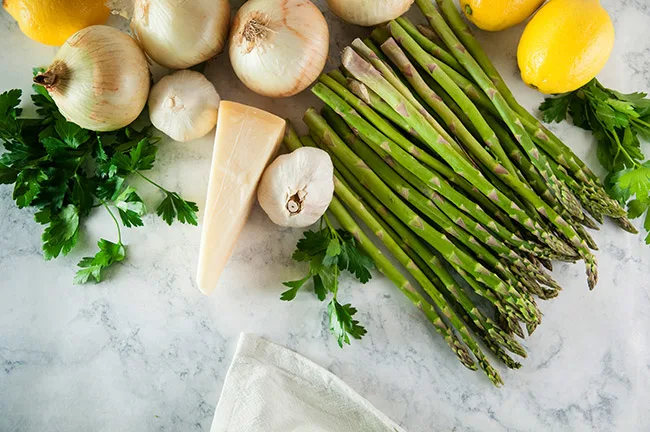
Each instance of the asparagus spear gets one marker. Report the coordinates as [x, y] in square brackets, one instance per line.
[378, 140]
[448, 285]
[553, 147]
[428, 32]
[398, 57]
[516, 155]
[438, 210]
[531, 173]
[463, 32]
[455, 256]
[374, 101]
[384, 266]
[359, 209]
[365, 72]
[430, 199]
[429, 209]
[395, 181]
[539, 160]
[368, 44]
[430, 46]
[371, 76]
[370, 98]
[347, 222]
[391, 77]
[545, 138]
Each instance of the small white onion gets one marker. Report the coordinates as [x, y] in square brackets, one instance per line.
[99, 79]
[179, 34]
[369, 12]
[297, 188]
[184, 105]
[278, 47]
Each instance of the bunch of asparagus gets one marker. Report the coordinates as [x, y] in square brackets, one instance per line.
[464, 187]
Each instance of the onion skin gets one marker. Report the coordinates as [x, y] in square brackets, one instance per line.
[369, 13]
[278, 47]
[99, 79]
[179, 34]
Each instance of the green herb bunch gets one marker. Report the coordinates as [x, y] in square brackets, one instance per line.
[617, 121]
[329, 252]
[64, 172]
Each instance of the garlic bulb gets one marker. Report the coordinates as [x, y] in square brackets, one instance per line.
[99, 79]
[179, 34]
[184, 105]
[297, 188]
[278, 47]
[369, 12]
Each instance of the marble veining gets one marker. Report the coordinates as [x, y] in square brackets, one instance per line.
[145, 351]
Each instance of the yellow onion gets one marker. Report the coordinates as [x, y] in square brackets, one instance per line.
[99, 79]
[179, 34]
[278, 47]
[369, 12]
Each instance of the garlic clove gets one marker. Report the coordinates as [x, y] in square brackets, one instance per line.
[184, 105]
[297, 188]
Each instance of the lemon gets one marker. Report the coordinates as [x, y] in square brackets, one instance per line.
[495, 15]
[565, 45]
[52, 22]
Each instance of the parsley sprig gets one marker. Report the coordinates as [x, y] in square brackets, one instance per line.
[617, 121]
[65, 171]
[330, 252]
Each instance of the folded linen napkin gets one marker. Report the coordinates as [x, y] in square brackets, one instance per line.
[272, 389]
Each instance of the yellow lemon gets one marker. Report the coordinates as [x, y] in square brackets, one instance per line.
[495, 15]
[565, 45]
[52, 22]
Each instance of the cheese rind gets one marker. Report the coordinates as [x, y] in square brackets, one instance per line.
[246, 140]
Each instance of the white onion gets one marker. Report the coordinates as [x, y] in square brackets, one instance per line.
[184, 105]
[278, 47]
[369, 12]
[99, 79]
[179, 34]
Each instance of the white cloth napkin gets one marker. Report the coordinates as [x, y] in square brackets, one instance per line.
[272, 389]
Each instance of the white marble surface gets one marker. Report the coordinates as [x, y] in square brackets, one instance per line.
[145, 351]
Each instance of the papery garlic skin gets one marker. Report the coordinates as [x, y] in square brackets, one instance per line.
[297, 188]
[179, 34]
[99, 79]
[278, 47]
[184, 105]
[369, 12]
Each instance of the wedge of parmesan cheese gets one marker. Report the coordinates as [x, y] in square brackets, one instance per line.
[247, 139]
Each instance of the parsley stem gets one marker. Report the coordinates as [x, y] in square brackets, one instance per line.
[636, 120]
[329, 224]
[622, 149]
[153, 182]
[119, 232]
